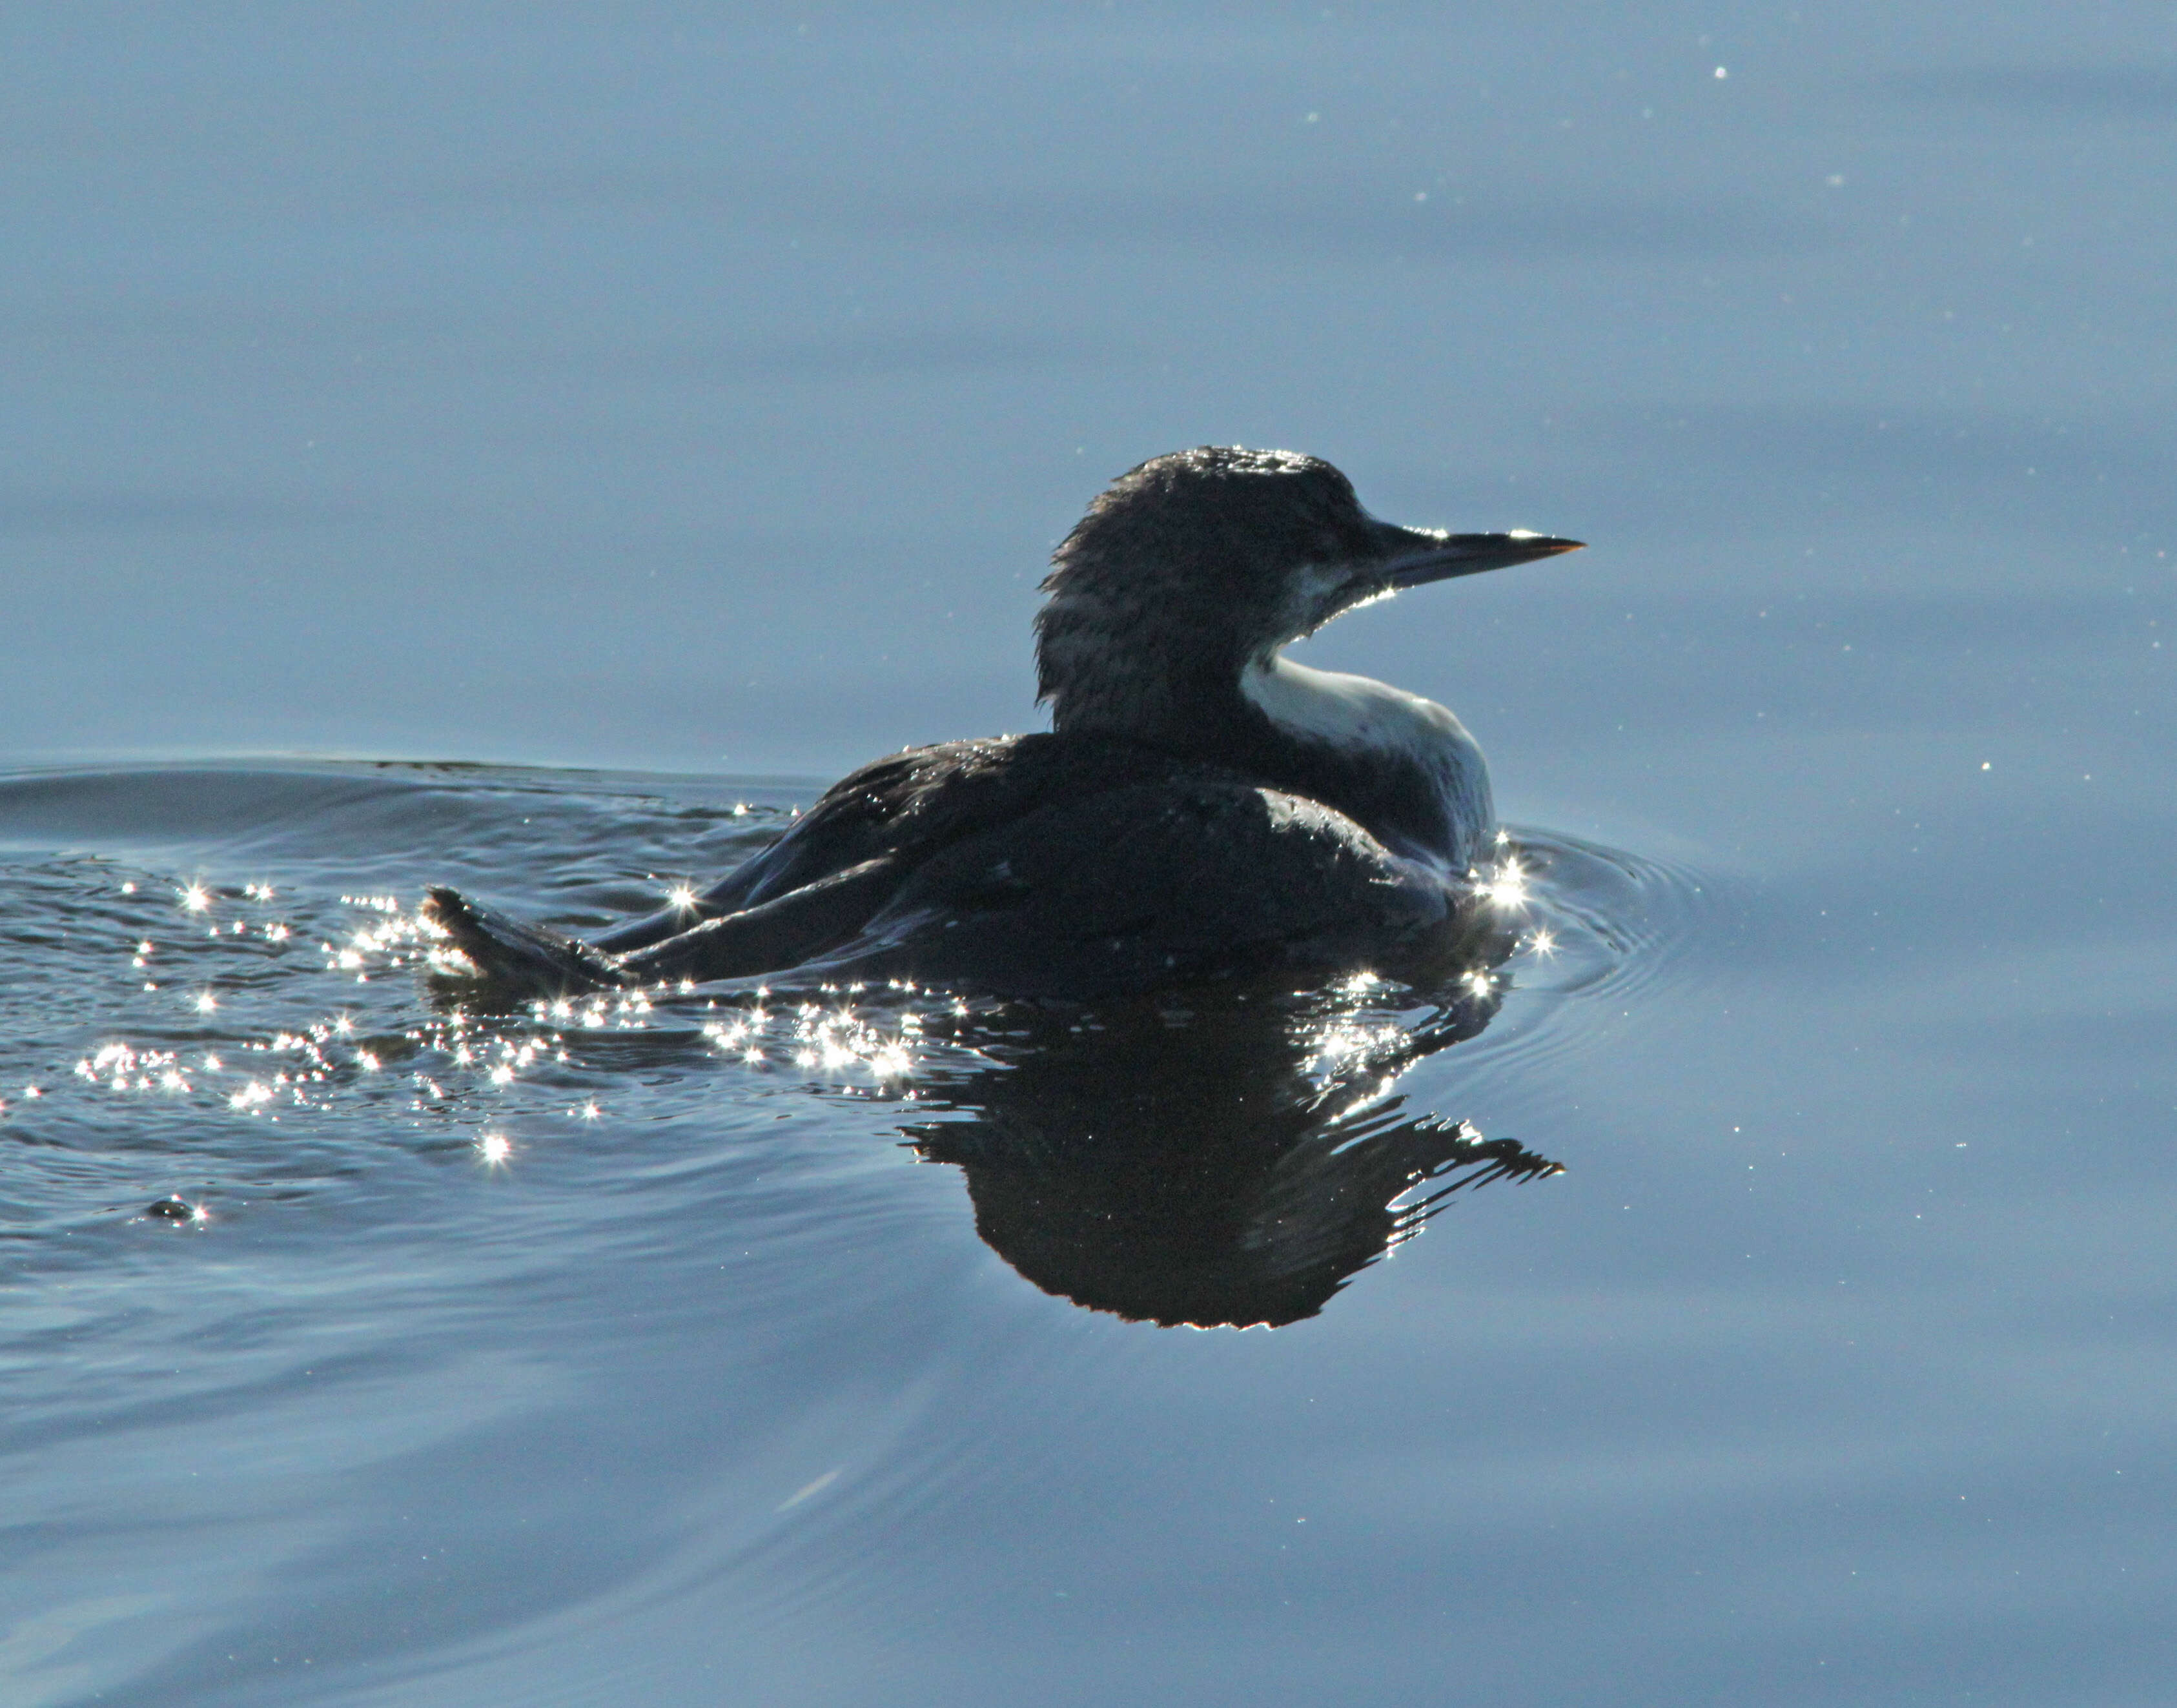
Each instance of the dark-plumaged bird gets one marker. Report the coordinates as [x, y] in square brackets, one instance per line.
[1202, 808]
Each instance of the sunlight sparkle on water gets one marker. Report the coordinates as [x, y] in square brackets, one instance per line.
[1507, 886]
[834, 1041]
[205, 1002]
[195, 898]
[123, 1067]
[682, 896]
[493, 1148]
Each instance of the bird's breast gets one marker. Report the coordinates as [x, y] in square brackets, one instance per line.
[1401, 764]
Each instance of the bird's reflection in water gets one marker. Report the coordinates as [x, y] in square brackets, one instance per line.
[1221, 1159]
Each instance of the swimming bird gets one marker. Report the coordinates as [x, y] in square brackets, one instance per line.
[1202, 807]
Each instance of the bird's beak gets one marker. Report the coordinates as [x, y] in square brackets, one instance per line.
[1414, 556]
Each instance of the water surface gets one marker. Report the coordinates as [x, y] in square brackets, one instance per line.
[696, 394]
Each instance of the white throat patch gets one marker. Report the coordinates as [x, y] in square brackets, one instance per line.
[1360, 716]
[1357, 714]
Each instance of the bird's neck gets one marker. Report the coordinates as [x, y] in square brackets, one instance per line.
[1400, 766]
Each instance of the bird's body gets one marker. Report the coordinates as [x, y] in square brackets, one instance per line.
[1203, 807]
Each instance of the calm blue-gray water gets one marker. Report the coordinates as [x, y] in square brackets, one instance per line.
[536, 448]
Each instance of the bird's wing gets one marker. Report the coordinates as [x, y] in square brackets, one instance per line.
[906, 806]
[818, 886]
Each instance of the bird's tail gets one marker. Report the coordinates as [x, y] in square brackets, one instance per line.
[512, 953]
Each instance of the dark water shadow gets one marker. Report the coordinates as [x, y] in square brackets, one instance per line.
[1222, 1158]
